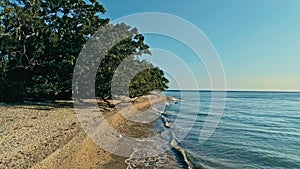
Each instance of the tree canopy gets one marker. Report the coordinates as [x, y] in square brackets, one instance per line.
[40, 41]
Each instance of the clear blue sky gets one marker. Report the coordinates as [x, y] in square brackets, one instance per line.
[258, 41]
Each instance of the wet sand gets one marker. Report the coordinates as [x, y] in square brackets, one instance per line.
[49, 135]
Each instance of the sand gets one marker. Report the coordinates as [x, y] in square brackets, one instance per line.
[49, 135]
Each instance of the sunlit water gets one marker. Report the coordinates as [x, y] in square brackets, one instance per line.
[257, 130]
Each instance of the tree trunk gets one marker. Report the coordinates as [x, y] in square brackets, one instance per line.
[108, 103]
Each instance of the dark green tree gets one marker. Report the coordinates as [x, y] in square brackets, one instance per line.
[128, 48]
[148, 80]
[40, 41]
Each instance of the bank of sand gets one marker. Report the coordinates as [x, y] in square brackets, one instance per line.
[49, 135]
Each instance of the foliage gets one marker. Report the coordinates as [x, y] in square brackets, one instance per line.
[124, 51]
[40, 41]
[148, 80]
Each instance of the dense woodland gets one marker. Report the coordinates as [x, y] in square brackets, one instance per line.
[40, 41]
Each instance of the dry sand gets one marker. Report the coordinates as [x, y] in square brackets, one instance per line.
[49, 135]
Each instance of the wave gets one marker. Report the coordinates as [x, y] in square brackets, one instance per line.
[180, 152]
[181, 156]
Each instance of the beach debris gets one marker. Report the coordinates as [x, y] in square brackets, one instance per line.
[168, 124]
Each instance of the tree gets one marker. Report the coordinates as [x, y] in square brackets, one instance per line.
[148, 80]
[40, 41]
[127, 49]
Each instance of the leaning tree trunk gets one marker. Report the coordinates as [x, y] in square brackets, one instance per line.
[107, 102]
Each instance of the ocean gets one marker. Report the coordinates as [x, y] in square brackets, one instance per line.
[256, 130]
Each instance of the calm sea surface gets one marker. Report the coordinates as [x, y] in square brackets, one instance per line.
[256, 130]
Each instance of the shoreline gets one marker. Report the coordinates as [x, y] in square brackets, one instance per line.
[54, 137]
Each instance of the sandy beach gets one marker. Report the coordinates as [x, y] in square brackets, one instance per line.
[49, 135]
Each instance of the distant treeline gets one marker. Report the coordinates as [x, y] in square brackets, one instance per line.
[40, 42]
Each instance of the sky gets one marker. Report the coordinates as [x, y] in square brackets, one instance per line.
[258, 41]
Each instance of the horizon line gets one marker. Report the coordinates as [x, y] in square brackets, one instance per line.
[233, 90]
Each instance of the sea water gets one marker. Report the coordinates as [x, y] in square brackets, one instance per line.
[256, 129]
